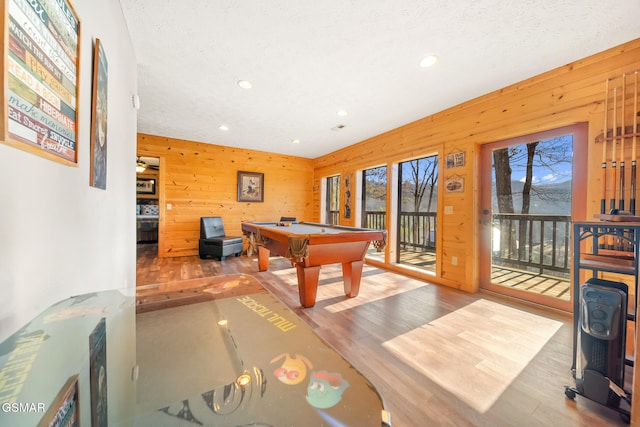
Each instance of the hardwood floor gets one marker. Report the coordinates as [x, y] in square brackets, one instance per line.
[393, 333]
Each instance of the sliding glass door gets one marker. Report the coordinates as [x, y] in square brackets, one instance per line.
[528, 202]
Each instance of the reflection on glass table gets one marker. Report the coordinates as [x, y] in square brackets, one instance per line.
[240, 358]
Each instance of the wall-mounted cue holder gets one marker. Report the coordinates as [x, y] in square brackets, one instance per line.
[620, 127]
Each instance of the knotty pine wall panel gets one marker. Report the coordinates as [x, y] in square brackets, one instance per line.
[199, 179]
[570, 94]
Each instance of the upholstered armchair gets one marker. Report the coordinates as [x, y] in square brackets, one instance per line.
[214, 242]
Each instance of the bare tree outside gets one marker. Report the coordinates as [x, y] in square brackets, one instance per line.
[419, 188]
[374, 197]
[417, 217]
[420, 176]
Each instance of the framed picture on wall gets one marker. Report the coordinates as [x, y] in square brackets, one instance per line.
[454, 185]
[40, 93]
[455, 160]
[145, 186]
[98, 176]
[250, 187]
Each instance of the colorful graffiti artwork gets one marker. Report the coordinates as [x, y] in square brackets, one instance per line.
[293, 370]
[325, 389]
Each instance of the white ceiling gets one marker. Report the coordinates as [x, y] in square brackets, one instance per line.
[309, 59]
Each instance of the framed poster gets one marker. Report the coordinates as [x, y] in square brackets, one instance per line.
[250, 187]
[98, 374]
[64, 410]
[99, 119]
[40, 85]
[455, 160]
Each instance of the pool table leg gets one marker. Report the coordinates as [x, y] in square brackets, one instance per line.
[351, 275]
[307, 284]
[263, 258]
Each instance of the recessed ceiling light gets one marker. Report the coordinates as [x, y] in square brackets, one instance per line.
[342, 113]
[295, 141]
[428, 61]
[224, 127]
[245, 84]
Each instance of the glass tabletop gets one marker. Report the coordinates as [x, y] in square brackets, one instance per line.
[240, 358]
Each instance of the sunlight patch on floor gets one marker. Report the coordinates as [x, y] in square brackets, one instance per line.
[489, 343]
[376, 285]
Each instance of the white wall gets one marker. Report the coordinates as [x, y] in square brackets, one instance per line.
[58, 236]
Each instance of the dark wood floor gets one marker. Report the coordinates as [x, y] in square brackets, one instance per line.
[373, 332]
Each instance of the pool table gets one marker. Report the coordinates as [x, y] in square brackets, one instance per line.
[309, 246]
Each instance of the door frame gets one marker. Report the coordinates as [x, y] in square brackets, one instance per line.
[578, 207]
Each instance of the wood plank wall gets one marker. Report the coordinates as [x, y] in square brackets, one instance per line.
[570, 94]
[199, 179]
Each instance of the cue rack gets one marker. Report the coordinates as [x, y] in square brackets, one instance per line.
[620, 129]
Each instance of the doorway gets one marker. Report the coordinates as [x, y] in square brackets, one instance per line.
[532, 189]
[147, 199]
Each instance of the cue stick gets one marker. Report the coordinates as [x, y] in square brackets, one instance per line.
[632, 201]
[614, 182]
[622, 134]
[603, 201]
[614, 139]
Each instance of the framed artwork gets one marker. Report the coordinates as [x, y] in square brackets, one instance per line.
[98, 374]
[64, 410]
[99, 119]
[250, 187]
[40, 83]
[347, 194]
[145, 186]
[455, 160]
[454, 185]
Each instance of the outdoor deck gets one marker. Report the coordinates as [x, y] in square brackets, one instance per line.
[544, 284]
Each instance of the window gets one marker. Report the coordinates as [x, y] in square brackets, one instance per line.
[418, 202]
[333, 200]
[374, 198]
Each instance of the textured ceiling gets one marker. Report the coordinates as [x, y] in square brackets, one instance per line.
[309, 59]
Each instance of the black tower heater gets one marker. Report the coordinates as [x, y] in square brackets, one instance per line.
[600, 359]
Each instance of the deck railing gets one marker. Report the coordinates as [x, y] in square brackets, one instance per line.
[544, 244]
[375, 219]
[539, 242]
[334, 217]
[417, 230]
